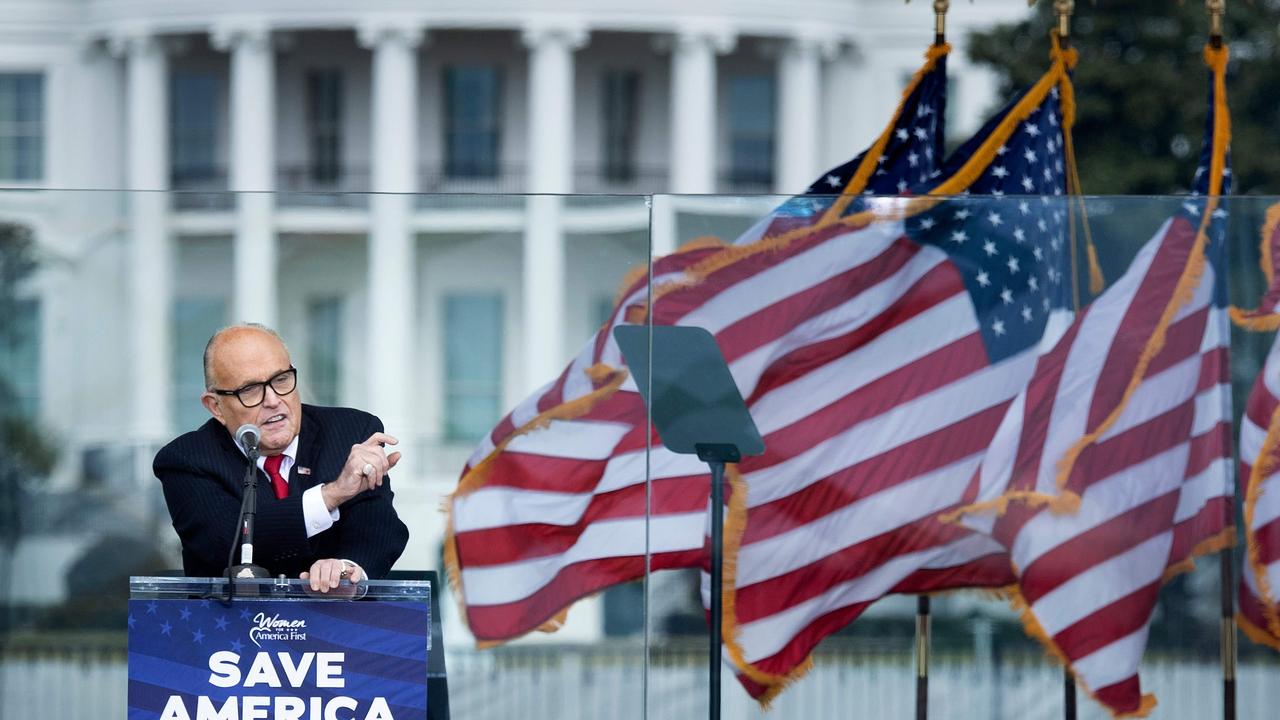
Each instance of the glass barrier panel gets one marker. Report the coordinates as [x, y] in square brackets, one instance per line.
[918, 369]
[440, 314]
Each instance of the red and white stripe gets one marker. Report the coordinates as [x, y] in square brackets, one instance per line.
[1152, 486]
[1259, 438]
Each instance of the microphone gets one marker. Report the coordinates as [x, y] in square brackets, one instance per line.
[247, 438]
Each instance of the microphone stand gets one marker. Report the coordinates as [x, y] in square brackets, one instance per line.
[244, 531]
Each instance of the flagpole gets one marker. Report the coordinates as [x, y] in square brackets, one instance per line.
[922, 657]
[1063, 9]
[1228, 637]
[940, 8]
[1227, 630]
[1068, 694]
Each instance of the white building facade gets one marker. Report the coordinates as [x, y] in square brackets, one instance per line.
[436, 312]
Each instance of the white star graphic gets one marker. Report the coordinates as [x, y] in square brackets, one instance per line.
[926, 224]
[1027, 183]
[1026, 313]
[1013, 265]
[1044, 226]
[913, 159]
[833, 180]
[902, 134]
[1001, 150]
[994, 218]
[989, 248]
[902, 186]
[962, 214]
[1024, 207]
[984, 279]
[997, 327]
[999, 171]
[1007, 296]
[1019, 235]
[958, 237]
[1030, 155]
[1046, 304]
[1039, 253]
[1033, 284]
[1032, 129]
[922, 134]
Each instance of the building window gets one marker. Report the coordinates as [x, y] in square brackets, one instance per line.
[324, 350]
[473, 364]
[194, 127]
[21, 126]
[621, 104]
[751, 130]
[20, 360]
[472, 121]
[195, 320]
[324, 118]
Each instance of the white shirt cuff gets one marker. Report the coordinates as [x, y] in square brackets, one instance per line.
[318, 517]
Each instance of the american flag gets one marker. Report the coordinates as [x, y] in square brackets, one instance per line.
[551, 506]
[877, 358]
[1259, 614]
[1112, 469]
[907, 153]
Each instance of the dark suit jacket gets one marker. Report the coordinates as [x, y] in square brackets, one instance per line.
[203, 472]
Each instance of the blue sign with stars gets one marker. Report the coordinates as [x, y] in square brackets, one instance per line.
[305, 660]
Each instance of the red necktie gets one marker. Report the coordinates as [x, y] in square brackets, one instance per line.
[272, 466]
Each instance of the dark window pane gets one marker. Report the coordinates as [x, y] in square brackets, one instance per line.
[21, 126]
[324, 350]
[20, 361]
[621, 102]
[751, 129]
[194, 127]
[472, 131]
[473, 364]
[195, 320]
[324, 115]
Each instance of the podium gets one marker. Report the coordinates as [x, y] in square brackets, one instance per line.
[279, 650]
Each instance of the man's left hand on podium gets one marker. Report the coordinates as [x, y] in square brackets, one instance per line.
[327, 574]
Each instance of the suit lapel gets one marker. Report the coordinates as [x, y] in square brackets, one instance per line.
[307, 457]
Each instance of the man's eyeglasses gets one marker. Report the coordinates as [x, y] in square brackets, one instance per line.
[252, 395]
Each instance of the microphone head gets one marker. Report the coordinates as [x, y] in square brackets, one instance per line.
[247, 437]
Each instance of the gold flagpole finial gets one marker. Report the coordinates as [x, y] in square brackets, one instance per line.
[1064, 9]
[940, 8]
[1216, 8]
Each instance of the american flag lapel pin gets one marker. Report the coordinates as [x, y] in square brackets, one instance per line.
[304, 471]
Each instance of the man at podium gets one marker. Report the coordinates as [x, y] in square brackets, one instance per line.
[324, 499]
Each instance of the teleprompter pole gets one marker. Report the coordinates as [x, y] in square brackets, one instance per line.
[922, 657]
[1228, 640]
[717, 579]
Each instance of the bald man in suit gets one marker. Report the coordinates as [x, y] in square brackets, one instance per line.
[324, 498]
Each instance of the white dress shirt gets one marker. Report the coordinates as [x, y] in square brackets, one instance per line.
[318, 517]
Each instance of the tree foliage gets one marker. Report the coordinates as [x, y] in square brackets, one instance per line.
[1141, 89]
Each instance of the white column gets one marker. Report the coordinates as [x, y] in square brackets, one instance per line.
[662, 225]
[693, 109]
[800, 114]
[150, 256]
[253, 170]
[390, 276]
[550, 174]
[551, 106]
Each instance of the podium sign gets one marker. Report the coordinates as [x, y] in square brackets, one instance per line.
[281, 658]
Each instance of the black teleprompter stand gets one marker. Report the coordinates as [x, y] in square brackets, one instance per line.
[697, 408]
